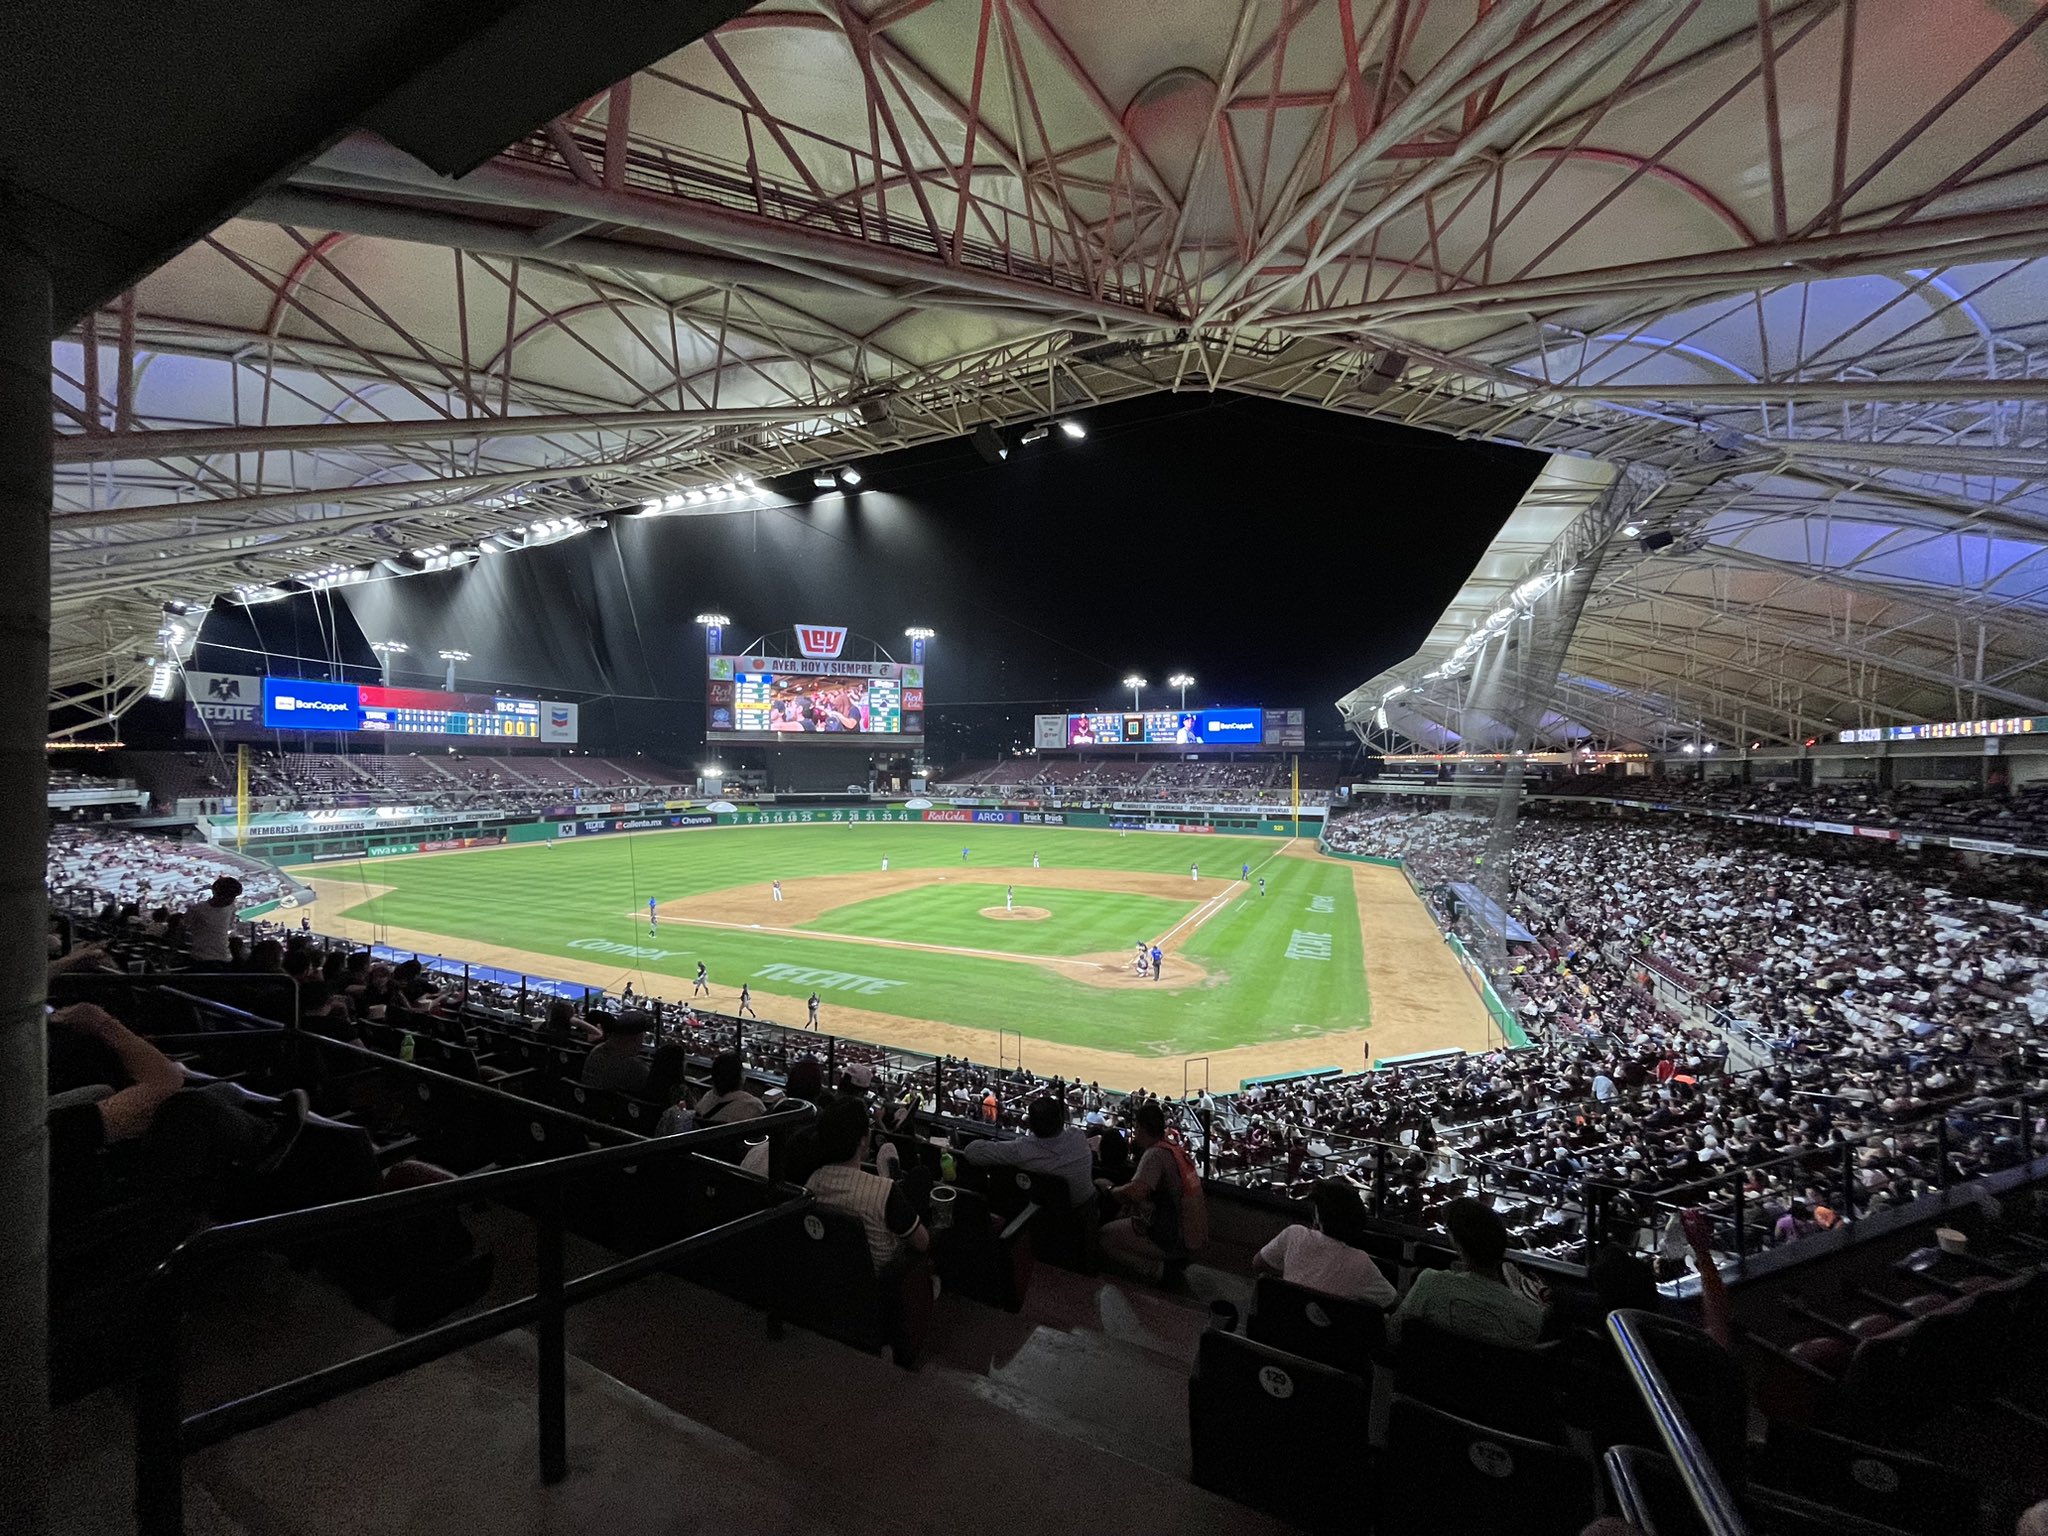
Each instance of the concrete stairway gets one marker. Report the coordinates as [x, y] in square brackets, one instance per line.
[682, 1417]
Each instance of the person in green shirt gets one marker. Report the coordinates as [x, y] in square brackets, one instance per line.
[1478, 1297]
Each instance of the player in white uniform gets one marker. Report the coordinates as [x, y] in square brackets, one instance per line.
[1009, 898]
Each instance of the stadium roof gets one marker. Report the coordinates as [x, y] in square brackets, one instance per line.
[1784, 259]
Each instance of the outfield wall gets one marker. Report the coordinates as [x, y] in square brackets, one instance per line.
[350, 841]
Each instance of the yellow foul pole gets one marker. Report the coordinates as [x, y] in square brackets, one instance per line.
[242, 797]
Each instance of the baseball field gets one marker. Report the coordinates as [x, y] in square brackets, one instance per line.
[983, 941]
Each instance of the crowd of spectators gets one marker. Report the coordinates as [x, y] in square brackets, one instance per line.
[496, 784]
[1892, 1015]
[145, 880]
[1944, 810]
[1204, 781]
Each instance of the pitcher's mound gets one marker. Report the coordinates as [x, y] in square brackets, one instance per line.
[1016, 914]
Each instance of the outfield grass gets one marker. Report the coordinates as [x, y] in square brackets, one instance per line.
[1081, 922]
[543, 900]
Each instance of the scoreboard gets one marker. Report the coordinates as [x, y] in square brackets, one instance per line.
[307, 704]
[1174, 729]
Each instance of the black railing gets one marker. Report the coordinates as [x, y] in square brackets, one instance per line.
[165, 1435]
[1710, 1497]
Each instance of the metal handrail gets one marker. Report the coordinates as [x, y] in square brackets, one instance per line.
[165, 1435]
[1703, 1485]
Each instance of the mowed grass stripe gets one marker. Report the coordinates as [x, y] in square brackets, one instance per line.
[1080, 922]
[543, 900]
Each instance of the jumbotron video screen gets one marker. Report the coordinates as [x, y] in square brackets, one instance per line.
[785, 699]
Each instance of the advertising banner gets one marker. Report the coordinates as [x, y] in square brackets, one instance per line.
[1010, 818]
[1044, 818]
[936, 815]
[1981, 845]
[223, 704]
[1049, 731]
[558, 722]
[300, 704]
[446, 844]
[821, 640]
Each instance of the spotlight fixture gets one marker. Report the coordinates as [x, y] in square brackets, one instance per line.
[1631, 530]
[849, 476]
[1037, 434]
[1072, 427]
[824, 480]
[988, 442]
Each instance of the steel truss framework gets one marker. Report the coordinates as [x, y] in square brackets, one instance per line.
[1785, 255]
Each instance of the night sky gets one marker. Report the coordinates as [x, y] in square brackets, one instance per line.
[1280, 553]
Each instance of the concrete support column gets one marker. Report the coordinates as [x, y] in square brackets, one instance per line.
[25, 490]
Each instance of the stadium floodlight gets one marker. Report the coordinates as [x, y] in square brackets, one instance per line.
[455, 656]
[1135, 683]
[390, 647]
[1183, 682]
[162, 679]
[919, 632]
[849, 476]
[1631, 530]
[1072, 427]
[718, 619]
[1037, 434]
[696, 497]
[825, 480]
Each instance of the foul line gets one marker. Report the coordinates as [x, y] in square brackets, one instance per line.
[882, 943]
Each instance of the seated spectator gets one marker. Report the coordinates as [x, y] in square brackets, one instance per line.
[1168, 1219]
[322, 1013]
[1473, 1298]
[109, 1089]
[562, 1022]
[728, 1101]
[616, 1062]
[1322, 1257]
[804, 1084]
[665, 1074]
[841, 1184]
[1052, 1147]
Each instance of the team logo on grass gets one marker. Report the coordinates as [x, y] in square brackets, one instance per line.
[840, 981]
[631, 951]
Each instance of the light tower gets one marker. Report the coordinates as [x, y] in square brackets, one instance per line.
[386, 649]
[917, 634]
[452, 657]
[1183, 682]
[1135, 683]
[714, 631]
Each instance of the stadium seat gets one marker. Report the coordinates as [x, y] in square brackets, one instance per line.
[1062, 1233]
[1279, 1432]
[1441, 1473]
[1872, 1482]
[828, 1284]
[984, 1256]
[1502, 1386]
[1649, 1495]
[1345, 1334]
